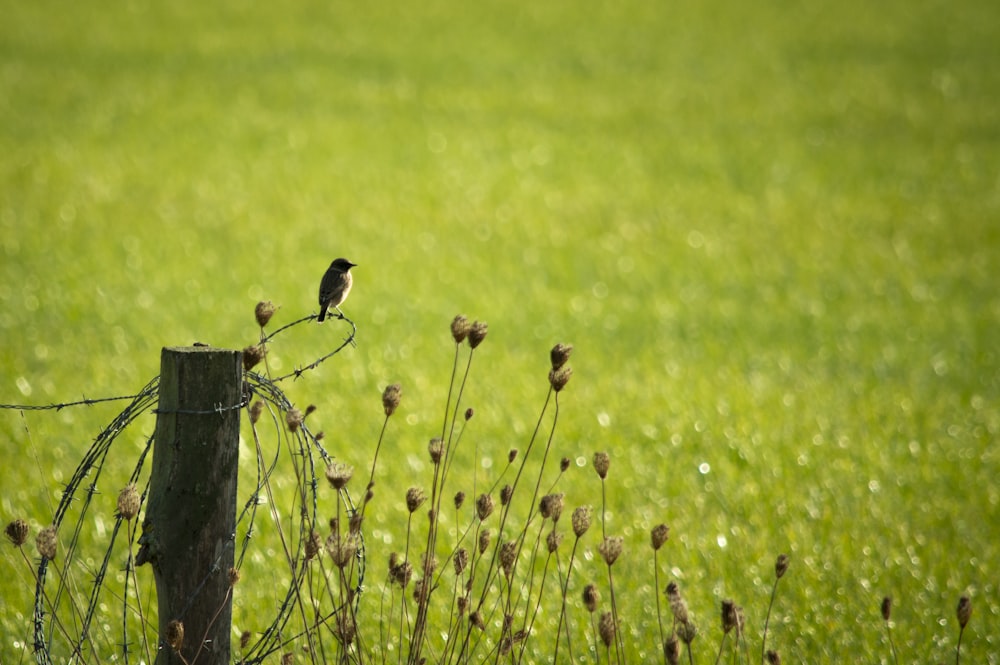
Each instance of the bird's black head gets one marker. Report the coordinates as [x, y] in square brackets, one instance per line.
[343, 265]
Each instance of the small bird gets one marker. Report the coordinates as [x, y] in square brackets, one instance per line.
[335, 286]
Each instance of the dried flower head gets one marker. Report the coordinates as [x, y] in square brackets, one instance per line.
[175, 635]
[606, 628]
[677, 605]
[511, 455]
[294, 419]
[581, 520]
[508, 554]
[255, 410]
[245, 637]
[346, 629]
[659, 535]
[342, 549]
[964, 611]
[287, 658]
[506, 492]
[551, 505]
[463, 605]
[46, 542]
[253, 355]
[17, 532]
[476, 619]
[553, 540]
[591, 596]
[484, 541]
[560, 354]
[313, 545]
[672, 650]
[309, 410]
[687, 631]
[128, 501]
[459, 328]
[610, 549]
[233, 576]
[728, 615]
[390, 398]
[886, 608]
[564, 464]
[415, 497]
[428, 564]
[263, 312]
[401, 573]
[558, 378]
[461, 560]
[601, 464]
[773, 658]
[459, 499]
[477, 333]
[469, 413]
[339, 474]
[436, 449]
[781, 566]
[484, 506]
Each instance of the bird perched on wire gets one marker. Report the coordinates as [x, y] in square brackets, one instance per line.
[335, 286]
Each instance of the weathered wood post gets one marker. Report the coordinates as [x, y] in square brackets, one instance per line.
[189, 529]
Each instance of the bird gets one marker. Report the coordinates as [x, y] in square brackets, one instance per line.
[334, 287]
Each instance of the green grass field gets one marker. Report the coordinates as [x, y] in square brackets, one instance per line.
[768, 230]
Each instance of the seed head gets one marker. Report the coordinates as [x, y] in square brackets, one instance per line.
[175, 635]
[886, 608]
[428, 564]
[46, 542]
[476, 619]
[436, 449]
[477, 333]
[354, 523]
[687, 631]
[964, 611]
[287, 658]
[346, 629]
[553, 540]
[401, 573]
[610, 549]
[294, 419]
[339, 474]
[564, 464]
[233, 576]
[506, 492]
[508, 553]
[591, 596]
[252, 355]
[463, 605]
[17, 532]
[342, 549]
[461, 560]
[263, 312]
[781, 566]
[659, 535]
[606, 628]
[390, 398]
[468, 414]
[601, 464]
[314, 544]
[773, 658]
[459, 328]
[484, 506]
[511, 455]
[459, 499]
[128, 502]
[551, 505]
[255, 410]
[245, 637]
[560, 354]
[558, 378]
[677, 605]
[484, 541]
[581, 520]
[728, 615]
[672, 650]
[414, 499]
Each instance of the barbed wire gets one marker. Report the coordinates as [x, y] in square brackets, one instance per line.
[65, 623]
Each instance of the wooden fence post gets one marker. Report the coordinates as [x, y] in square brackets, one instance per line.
[189, 531]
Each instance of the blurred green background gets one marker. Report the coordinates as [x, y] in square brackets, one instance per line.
[769, 229]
